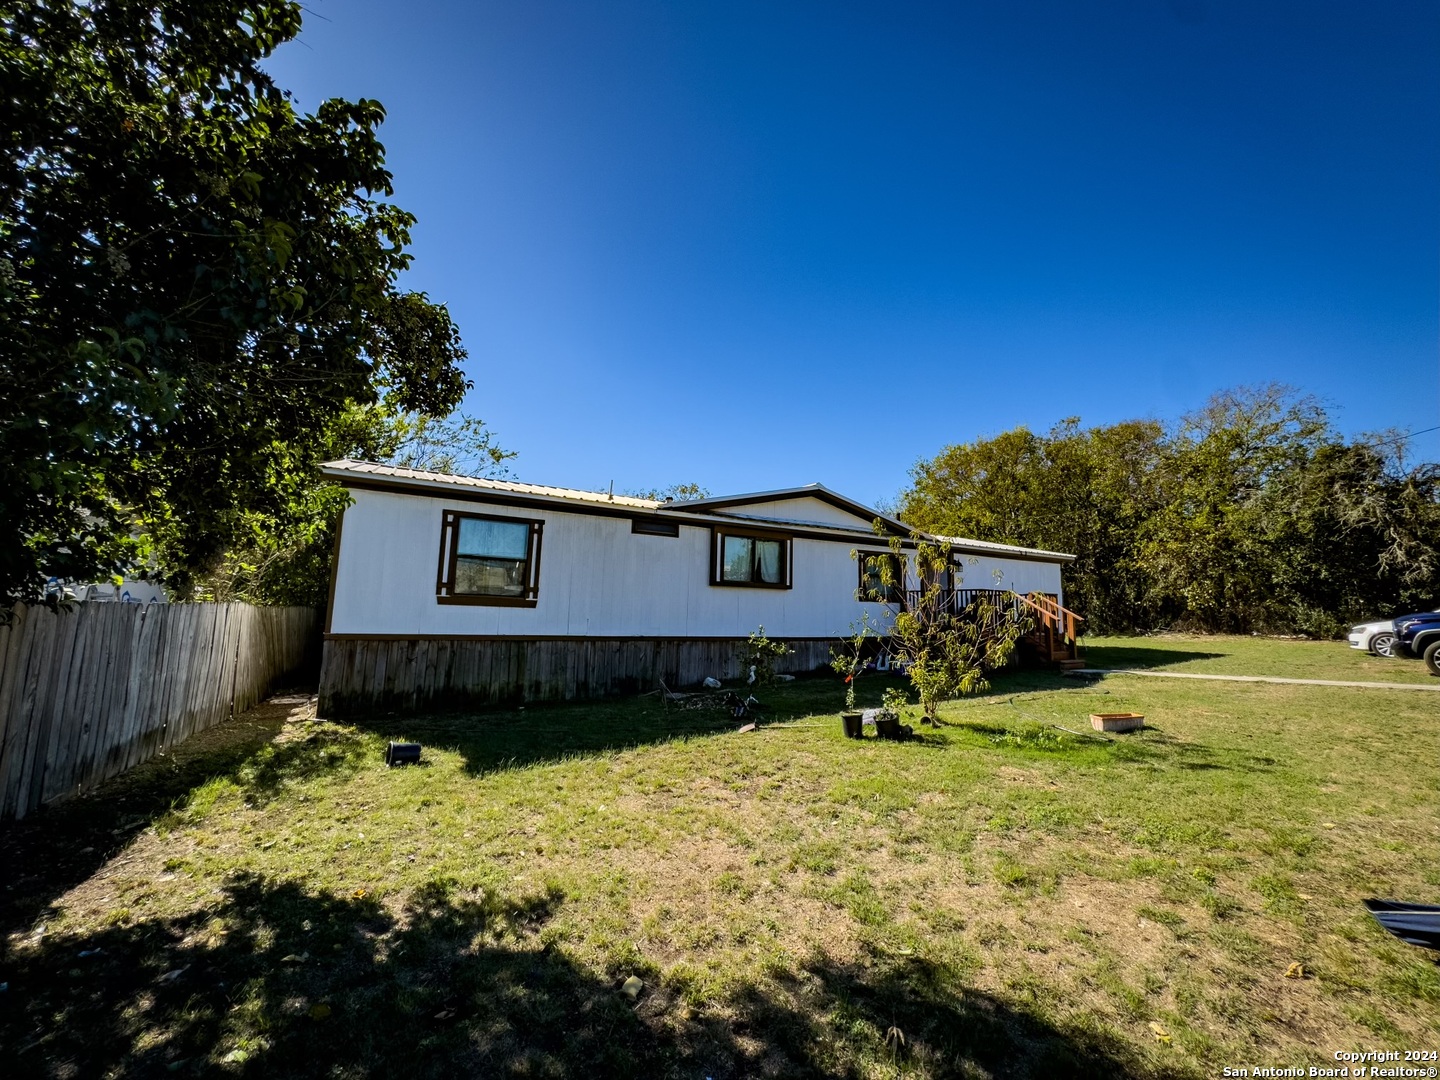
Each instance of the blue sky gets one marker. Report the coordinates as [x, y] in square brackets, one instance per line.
[752, 245]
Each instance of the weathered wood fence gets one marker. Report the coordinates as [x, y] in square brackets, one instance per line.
[89, 692]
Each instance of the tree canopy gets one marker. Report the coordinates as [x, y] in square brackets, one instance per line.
[281, 554]
[198, 284]
[671, 492]
[1251, 513]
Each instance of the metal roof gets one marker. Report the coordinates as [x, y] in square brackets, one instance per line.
[348, 467]
[695, 510]
[812, 491]
[966, 544]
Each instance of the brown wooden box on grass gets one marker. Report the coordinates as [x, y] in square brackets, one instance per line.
[1117, 721]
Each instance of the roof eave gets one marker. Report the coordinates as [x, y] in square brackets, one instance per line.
[1011, 550]
[693, 511]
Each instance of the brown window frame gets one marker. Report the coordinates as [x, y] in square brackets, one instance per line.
[860, 593]
[717, 548]
[449, 553]
[652, 527]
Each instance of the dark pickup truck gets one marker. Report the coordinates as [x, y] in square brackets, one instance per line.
[1419, 635]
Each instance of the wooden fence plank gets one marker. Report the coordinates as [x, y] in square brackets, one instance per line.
[38, 639]
[105, 710]
[120, 734]
[87, 692]
[104, 649]
[18, 717]
[15, 722]
[73, 701]
[150, 685]
[49, 706]
[119, 757]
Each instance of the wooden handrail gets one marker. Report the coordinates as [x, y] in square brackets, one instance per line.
[1049, 609]
[1053, 615]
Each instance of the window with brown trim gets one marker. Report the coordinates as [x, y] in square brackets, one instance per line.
[488, 560]
[751, 559]
[875, 567]
[651, 527]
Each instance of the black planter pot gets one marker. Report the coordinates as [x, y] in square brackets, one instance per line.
[888, 727]
[854, 724]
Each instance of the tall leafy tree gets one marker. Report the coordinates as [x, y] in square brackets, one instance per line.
[1388, 510]
[198, 282]
[1219, 544]
[672, 492]
[1273, 522]
[282, 554]
[1251, 513]
[1083, 491]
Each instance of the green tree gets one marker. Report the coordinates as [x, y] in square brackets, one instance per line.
[457, 444]
[675, 492]
[1220, 543]
[1251, 513]
[1082, 491]
[1388, 513]
[945, 653]
[283, 554]
[197, 283]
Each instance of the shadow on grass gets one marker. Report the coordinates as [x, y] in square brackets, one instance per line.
[261, 751]
[275, 980]
[1192, 756]
[1152, 748]
[504, 738]
[60, 846]
[1138, 656]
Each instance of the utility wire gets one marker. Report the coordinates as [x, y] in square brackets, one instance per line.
[1399, 438]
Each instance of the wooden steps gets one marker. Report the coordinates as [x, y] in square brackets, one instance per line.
[1054, 639]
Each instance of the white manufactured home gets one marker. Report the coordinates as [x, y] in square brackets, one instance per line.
[451, 590]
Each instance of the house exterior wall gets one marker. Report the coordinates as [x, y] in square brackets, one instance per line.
[597, 580]
[1018, 575]
[616, 611]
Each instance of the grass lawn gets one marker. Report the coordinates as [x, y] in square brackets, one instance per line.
[1229, 654]
[1002, 898]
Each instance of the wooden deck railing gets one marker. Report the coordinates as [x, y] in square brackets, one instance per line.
[1046, 608]
[1053, 616]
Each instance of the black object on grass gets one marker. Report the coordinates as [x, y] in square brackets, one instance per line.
[402, 753]
[1414, 924]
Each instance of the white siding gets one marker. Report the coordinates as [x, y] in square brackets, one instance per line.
[803, 509]
[597, 579]
[1017, 575]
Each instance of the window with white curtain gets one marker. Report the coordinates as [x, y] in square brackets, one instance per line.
[752, 559]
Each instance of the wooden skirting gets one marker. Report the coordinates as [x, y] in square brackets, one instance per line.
[359, 676]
